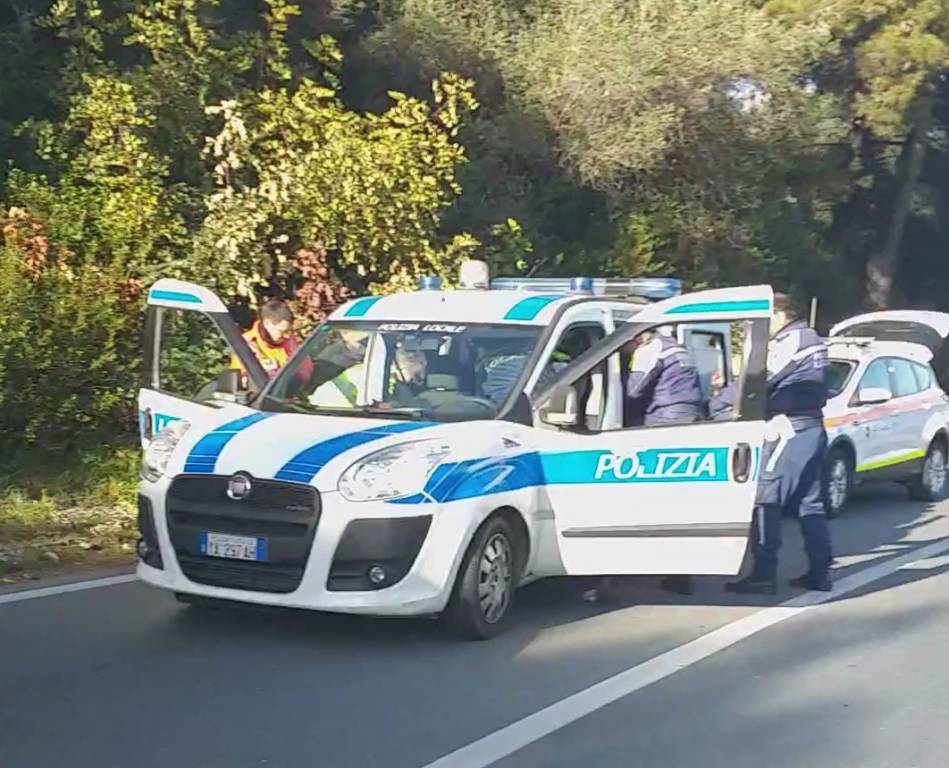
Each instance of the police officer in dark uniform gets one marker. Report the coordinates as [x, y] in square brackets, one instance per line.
[663, 385]
[793, 454]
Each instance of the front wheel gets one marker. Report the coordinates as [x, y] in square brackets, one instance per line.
[483, 594]
[838, 479]
[930, 484]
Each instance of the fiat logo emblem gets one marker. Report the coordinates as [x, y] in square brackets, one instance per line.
[238, 487]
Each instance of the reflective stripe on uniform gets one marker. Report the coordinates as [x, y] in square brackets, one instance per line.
[346, 388]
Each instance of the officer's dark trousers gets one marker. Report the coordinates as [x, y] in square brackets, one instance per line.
[792, 485]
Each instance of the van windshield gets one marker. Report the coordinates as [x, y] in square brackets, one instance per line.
[416, 370]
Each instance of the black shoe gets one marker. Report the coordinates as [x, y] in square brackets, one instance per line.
[814, 583]
[680, 585]
[753, 585]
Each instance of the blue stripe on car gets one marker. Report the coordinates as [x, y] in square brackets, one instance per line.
[179, 296]
[485, 477]
[303, 467]
[717, 307]
[204, 455]
[360, 307]
[528, 309]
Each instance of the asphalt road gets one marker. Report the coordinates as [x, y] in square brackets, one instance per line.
[124, 676]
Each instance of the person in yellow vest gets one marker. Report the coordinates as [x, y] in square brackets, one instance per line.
[346, 388]
[271, 338]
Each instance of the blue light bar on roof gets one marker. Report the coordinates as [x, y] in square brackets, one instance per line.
[429, 283]
[653, 288]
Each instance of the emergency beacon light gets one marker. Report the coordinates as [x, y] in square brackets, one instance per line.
[474, 275]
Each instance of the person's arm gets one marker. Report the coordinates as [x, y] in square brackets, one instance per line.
[645, 370]
[721, 405]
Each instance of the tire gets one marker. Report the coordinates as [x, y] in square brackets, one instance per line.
[837, 482]
[483, 595]
[930, 484]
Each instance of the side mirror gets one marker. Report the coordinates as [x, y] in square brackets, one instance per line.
[562, 409]
[874, 396]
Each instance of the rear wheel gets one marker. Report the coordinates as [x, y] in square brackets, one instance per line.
[838, 481]
[930, 484]
[483, 594]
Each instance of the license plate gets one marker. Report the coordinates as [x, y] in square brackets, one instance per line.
[232, 547]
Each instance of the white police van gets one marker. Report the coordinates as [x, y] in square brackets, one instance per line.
[504, 455]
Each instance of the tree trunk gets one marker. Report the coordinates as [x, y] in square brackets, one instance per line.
[883, 265]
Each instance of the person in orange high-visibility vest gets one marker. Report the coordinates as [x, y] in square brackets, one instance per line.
[271, 338]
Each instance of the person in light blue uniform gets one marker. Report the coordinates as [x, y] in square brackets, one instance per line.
[663, 387]
[793, 454]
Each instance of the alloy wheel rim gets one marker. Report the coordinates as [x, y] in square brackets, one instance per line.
[936, 471]
[837, 484]
[494, 578]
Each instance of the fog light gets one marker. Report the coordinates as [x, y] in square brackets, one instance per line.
[141, 547]
[377, 575]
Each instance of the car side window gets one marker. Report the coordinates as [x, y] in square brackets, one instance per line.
[192, 354]
[708, 354]
[575, 340]
[876, 377]
[924, 376]
[902, 377]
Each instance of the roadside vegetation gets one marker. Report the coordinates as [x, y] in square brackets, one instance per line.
[80, 516]
[332, 148]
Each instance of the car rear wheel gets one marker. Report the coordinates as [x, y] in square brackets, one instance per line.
[838, 480]
[483, 594]
[930, 484]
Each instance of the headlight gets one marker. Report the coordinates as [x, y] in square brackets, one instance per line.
[159, 450]
[400, 470]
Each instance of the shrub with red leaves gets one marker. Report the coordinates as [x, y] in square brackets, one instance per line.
[315, 290]
[25, 234]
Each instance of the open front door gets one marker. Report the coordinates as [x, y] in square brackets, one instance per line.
[191, 349]
[661, 500]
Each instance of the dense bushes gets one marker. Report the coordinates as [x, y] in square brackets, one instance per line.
[189, 139]
[69, 340]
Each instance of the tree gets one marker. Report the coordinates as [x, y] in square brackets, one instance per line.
[885, 65]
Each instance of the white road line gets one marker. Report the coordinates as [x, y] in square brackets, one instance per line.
[511, 738]
[76, 586]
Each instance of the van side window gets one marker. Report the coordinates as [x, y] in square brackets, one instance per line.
[708, 354]
[592, 389]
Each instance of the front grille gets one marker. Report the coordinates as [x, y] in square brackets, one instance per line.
[285, 514]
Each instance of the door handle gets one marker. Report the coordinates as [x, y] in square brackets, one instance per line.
[741, 463]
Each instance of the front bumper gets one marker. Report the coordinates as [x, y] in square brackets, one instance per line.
[378, 533]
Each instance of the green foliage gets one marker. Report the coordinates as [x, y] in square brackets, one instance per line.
[194, 139]
[68, 344]
[293, 166]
